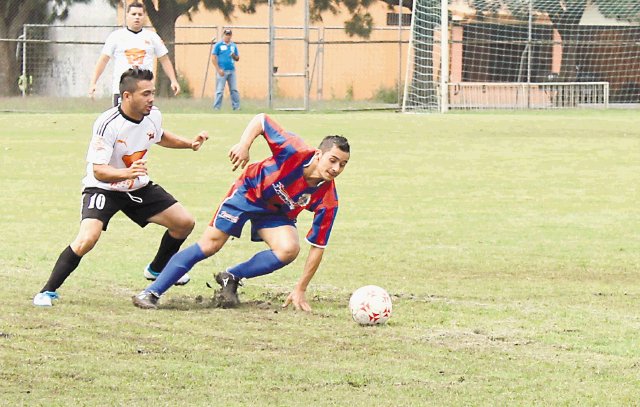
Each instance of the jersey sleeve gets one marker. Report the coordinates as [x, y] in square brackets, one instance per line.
[282, 143]
[216, 49]
[325, 211]
[158, 45]
[156, 118]
[102, 142]
[110, 44]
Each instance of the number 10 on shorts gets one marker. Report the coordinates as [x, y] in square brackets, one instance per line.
[96, 201]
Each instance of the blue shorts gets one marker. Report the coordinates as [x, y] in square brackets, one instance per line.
[236, 210]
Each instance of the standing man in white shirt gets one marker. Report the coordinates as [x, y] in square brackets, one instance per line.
[117, 180]
[133, 46]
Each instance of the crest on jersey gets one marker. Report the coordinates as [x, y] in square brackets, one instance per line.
[150, 134]
[135, 56]
[303, 200]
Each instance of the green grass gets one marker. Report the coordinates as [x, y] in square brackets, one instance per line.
[41, 104]
[510, 243]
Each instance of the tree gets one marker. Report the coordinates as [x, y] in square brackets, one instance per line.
[13, 15]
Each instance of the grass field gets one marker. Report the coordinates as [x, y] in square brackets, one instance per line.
[510, 243]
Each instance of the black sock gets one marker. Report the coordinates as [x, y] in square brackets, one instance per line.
[67, 262]
[168, 247]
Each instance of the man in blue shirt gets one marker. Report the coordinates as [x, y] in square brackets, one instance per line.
[224, 55]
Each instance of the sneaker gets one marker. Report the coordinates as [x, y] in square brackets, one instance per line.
[45, 299]
[229, 293]
[152, 275]
[146, 300]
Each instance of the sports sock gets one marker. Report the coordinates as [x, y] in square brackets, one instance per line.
[262, 263]
[168, 247]
[67, 262]
[178, 266]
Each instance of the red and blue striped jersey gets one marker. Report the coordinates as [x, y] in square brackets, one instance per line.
[277, 183]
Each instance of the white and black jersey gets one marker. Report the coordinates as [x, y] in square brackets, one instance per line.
[129, 49]
[118, 141]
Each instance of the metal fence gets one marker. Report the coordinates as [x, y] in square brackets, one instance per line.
[58, 60]
[523, 95]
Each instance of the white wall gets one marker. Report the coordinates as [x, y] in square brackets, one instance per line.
[71, 65]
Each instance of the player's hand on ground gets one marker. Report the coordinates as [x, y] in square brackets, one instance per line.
[199, 140]
[137, 169]
[239, 156]
[298, 300]
[175, 87]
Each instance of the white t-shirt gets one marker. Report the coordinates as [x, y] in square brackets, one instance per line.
[128, 49]
[119, 141]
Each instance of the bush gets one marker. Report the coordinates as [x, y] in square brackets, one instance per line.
[185, 87]
[386, 95]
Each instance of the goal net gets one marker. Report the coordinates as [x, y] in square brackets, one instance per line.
[522, 54]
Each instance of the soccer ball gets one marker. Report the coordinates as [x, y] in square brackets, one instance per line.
[370, 305]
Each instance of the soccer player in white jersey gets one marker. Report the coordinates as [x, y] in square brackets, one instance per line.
[130, 47]
[117, 180]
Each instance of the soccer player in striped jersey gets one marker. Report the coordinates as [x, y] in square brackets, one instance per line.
[117, 180]
[270, 194]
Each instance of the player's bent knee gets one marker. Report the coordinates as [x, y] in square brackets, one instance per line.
[287, 254]
[184, 226]
[210, 247]
[189, 224]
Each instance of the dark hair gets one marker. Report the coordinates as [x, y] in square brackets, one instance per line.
[338, 141]
[136, 4]
[130, 78]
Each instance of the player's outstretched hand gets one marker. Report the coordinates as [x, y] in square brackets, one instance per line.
[239, 156]
[297, 298]
[199, 140]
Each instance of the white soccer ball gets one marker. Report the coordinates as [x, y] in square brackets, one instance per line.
[370, 305]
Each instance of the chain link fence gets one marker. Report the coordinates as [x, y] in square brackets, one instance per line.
[58, 61]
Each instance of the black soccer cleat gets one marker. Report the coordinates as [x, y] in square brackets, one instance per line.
[229, 293]
[146, 300]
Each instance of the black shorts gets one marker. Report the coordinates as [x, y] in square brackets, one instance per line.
[138, 205]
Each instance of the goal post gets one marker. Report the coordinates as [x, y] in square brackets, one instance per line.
[532, 95]
[424, 57]
[522, 54]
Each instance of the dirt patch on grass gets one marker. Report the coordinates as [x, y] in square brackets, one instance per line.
[216, 301]
[464, 339]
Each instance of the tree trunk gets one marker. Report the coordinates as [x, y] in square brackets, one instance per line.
[569, 67]
[168, 34]
[9, 69]
[566, 22]
[13, 15]
[163, 18]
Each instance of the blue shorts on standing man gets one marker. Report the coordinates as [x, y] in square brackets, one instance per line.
[224, 56]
